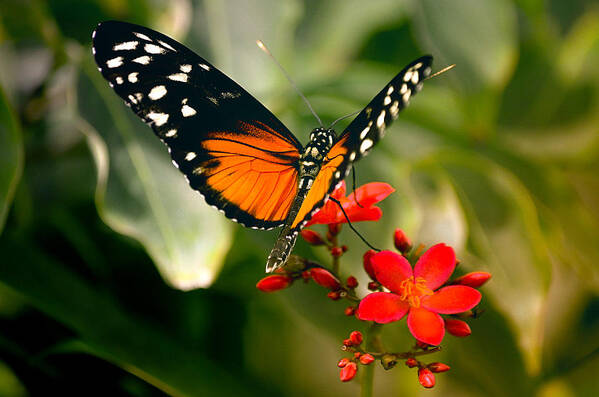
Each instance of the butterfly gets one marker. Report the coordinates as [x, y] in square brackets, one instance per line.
[231, 149]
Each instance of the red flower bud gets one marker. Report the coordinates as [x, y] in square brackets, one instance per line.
[306, 274]
[348, 372]
[401, 241]
[411, 362]
[438, 367]
[334, 229]
[356, 337]
[336, 252]
[349, 311]
[474, 279]
[274, 282]
[344, 248]
[352, 282]
[343, 362]
[368, 264]
[312, 237]
[347, 342]
[357, 354]
[334, 295]
[325, 278]
[457, 328]
[366, 359]
[426, 377]
[373, 285]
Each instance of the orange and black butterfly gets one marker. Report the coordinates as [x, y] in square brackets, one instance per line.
[235, 152]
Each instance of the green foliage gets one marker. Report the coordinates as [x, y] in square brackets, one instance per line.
[100, 234]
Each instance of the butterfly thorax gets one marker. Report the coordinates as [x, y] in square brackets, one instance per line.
[321, 141]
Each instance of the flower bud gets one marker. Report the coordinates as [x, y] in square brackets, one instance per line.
[343, 362]
[352, 282]
[426, 377]
[334, 295]
[325, 278]
[344, 248]
[411, 362]
[368, 264]
[347, 342]
[274, 282]
[457, 328]
[336, 252]
[334, 229]
[357, 354]
[401, 241]
[356, 337]
[474, 279]
[348, 372]
[349, 311]
[312, 237]
[373, 285]
[366, 359]
[438, 367]
[306, 275]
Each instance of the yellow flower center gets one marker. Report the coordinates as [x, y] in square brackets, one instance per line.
[412, 289]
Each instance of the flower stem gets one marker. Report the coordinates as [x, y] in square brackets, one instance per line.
[335, 258]
[373, 343]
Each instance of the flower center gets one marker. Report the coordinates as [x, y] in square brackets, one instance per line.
[412, 289]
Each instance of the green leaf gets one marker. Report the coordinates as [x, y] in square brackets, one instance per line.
[11, 156]
[165, 360]
[140, 193]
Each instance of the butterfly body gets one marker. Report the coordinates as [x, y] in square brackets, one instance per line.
[231, 149]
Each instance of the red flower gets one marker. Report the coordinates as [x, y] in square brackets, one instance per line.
[413, 292]
[367, 195]
[426, 378]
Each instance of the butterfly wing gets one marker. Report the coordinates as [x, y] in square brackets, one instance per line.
[234, 151]
[363, 133]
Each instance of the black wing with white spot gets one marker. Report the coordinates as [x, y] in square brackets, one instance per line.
[369, 126]
[233, 150]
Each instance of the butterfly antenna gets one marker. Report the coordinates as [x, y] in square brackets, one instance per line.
[263, 47]
[448, 68]
[334, 200]
[353, 180]
[344, 117]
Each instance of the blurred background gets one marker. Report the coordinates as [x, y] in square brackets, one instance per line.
[117, 279]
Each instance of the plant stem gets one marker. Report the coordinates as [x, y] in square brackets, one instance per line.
[373, 343]
[335, 258]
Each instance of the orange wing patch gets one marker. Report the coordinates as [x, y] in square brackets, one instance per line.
[253, 170]
[323, 183]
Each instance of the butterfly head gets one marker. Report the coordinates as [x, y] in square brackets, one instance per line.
[323, 136]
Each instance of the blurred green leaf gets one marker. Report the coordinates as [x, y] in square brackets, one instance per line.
[140, 193]
[11, 156]
[109, 330]
[480, 37]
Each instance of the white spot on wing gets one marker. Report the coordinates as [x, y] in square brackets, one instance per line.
[380, 121]
[132, 77]
[408, 76]
[144, 60]
[352, 156]
[404, 89]
[185, 68]
[204, 66]
[387, 100]
[366, 144]
[142, 36]
[167, 45]
[182, 77]
[119, 80]
[158, 118]
[364, 132]
[390, 90]
[187, 111]
[171, 133]
[394, 109]
[415, 78]
[190, 156]
[127, 45]
[154, 49]
[157, 92]
[114, 62]
[406, 97]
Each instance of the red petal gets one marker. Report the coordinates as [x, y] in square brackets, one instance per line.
[273, 283]
[426, 326]
[367, 260]
[435, 265]
[391, 269]
[371, 193]
[325, 278]
[357, 214]
[339, 192]
[382, 307]
[452, 299]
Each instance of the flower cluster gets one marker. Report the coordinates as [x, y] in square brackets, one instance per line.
[411, 283]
